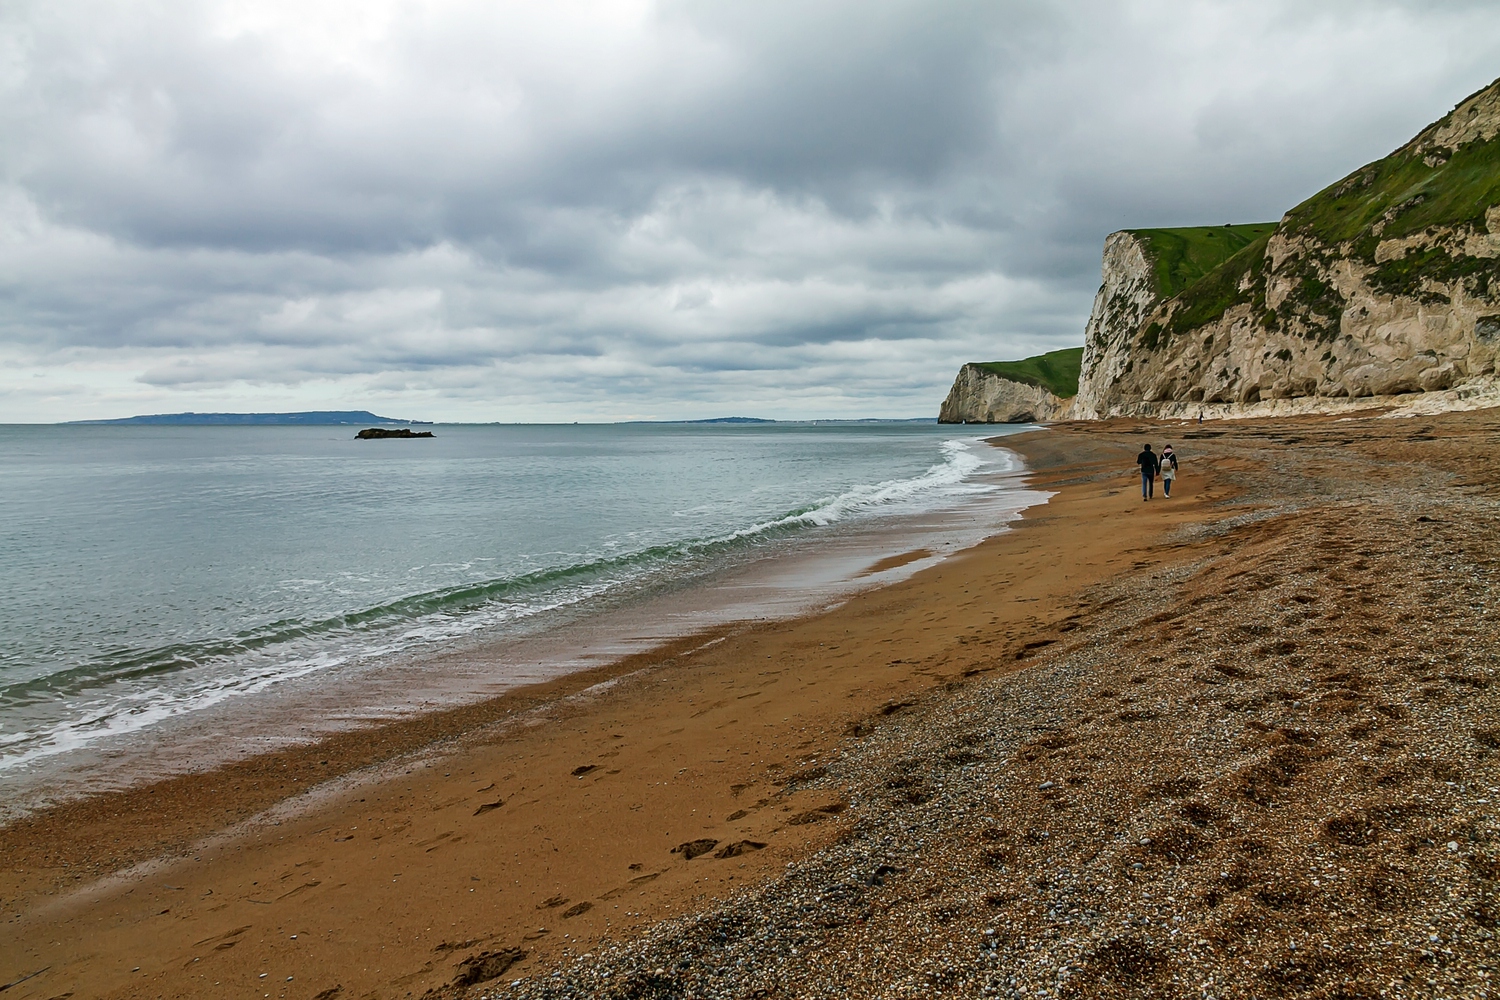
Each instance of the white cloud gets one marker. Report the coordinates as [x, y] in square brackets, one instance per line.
[558, 210]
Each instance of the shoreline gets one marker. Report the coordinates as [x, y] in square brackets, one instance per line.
[160, 825]
[962, 728]
[570, 661]
[788, 577]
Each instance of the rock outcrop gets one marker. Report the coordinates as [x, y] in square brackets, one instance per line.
[379, 433]
[983, 397]
[1384, 285]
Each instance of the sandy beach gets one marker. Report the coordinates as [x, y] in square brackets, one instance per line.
[1239, 742]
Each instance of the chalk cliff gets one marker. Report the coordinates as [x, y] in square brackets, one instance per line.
[1383, 285]
[980, 396]
[1014, 392]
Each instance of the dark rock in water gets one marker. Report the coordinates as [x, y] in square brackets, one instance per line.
[384, 432]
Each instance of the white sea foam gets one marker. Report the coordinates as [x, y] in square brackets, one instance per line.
[943, 481]
[619, 563]
[124, 709]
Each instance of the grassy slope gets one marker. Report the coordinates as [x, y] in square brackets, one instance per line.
[1183, 256]
[1207, 298]
[1409, 193]
[1055, 371]
[1412, 193]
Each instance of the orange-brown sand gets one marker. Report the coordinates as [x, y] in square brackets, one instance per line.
[544, 820]
[554, 818]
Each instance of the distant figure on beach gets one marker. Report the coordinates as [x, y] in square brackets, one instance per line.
[1200, 416]
[1168, 470]
[1149, 464]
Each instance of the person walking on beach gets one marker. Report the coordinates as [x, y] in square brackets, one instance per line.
[1149, 464]
[1168, 470]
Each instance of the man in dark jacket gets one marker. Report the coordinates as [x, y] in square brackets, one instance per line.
[1149, 464]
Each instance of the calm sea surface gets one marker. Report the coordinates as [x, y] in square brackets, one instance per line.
[149, 573]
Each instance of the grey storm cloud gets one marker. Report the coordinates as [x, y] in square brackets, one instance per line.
[566, 210]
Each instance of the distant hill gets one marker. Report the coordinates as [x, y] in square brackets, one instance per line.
[257, 419]
[706, 420]
[727, 420]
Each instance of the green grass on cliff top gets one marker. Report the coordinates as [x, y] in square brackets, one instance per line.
[1408, 192]
[1416, 188]
[1055, 371]
[1182, 256]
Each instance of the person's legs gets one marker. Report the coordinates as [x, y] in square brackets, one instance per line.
[1166, 486]
[1145, 485]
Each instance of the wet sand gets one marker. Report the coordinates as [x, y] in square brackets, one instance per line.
[503, 841]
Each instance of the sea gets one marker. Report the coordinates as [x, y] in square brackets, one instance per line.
[173, 596]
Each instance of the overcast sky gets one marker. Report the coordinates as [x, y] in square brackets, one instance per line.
[561, 210]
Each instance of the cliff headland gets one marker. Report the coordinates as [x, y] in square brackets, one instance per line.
[1014, 392]
[1383, 289]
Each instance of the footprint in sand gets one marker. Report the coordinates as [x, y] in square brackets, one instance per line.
[486, 966]
[816, 815]
[620, 890]
[694, 848]
[224, 941]
[739, 847]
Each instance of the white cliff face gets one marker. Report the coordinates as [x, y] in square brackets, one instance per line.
[982, 397]
[1440, 336]
[1476, 119]
[1314, 325]
[1124, 300]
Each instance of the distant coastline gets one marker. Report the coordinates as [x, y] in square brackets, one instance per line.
[342, 417]
[810, 420]
[306, 417]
